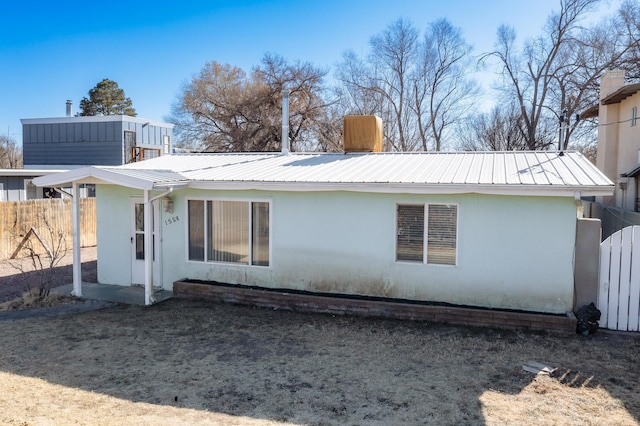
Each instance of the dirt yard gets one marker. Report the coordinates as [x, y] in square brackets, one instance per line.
[13, 283]
[189, 362]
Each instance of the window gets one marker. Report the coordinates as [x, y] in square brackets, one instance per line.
[129, 145]
[166, 145]
[440, 233]
[229, 231]
[634, 115]
[30, 191]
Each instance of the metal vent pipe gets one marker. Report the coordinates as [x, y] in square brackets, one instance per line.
[285, 121]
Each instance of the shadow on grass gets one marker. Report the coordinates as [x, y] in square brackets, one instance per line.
[13, 286]
[306, 368]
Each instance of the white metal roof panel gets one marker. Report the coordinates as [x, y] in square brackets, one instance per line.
[485, 172]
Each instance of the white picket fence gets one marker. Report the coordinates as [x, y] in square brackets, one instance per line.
[619, 287]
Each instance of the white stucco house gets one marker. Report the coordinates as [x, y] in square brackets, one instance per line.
[485, 229]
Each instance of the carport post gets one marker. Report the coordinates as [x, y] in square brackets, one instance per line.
[148, 248]
[75, 227]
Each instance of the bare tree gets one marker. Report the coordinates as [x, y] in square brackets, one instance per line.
[497, 130]
[10, 155]
[224, 109]
[556, 74]
[43, 249]
[442, 91]
[418, 86]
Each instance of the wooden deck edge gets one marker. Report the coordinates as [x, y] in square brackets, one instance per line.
[305, 302]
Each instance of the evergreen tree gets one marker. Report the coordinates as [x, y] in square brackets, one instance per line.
[106, 99]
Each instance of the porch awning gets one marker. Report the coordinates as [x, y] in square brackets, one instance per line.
[131, 178]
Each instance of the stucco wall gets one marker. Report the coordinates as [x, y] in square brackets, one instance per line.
[628, 152]
[513, 252]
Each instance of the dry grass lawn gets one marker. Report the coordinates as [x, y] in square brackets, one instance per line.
[189, 362]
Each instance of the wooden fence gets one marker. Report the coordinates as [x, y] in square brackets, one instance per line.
[619, 288]
[45, 217]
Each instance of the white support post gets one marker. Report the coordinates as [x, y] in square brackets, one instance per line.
[148, 249]
[75, 226]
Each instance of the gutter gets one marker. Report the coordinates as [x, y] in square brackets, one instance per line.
[404, 188]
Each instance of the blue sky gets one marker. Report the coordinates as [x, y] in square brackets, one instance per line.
[51, 51]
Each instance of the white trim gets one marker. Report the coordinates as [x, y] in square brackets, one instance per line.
[96, 119]
[29, 172]
[425, 234]
[247, 200]
[407, 188]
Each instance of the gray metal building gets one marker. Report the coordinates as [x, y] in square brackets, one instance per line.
[70, 142]
[17, 185]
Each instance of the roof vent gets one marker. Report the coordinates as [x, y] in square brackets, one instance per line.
[69, 104]
[362, 133]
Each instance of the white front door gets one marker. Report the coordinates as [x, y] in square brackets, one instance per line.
[137, 241]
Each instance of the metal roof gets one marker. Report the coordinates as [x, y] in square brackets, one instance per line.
[530, 173]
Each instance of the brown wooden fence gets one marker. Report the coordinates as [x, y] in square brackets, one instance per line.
[17, 218]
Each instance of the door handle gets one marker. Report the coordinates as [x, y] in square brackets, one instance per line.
[131, 240]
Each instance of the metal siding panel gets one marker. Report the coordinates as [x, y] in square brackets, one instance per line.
[86, 132]
[75, 153]
[110, 129]
[15, 182]
[26, 136]
[40, 136]
[47, 133]
[77, 132]
[93, 132]
[102, 132]
[55, 133]
[62, 132]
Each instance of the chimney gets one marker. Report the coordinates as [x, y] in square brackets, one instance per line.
[69, 103]
[285, 121]
[362, 133]
[610, 82]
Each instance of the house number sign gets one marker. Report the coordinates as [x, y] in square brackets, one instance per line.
[172, 219]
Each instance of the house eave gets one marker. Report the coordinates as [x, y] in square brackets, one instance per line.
[409, 188]
[621, 94]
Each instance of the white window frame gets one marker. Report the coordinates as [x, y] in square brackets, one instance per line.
[425, 243]
[27, 184]
[166, 144]
[205, 229]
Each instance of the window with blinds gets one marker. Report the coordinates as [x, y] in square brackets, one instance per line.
[229, 231]
[410, 241]
[441, 234]
[434, 238]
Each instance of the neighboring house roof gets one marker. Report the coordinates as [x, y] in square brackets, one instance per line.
[95, 119]
[614, 98]
[621, 94]
[28, 172]
[513, 173]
